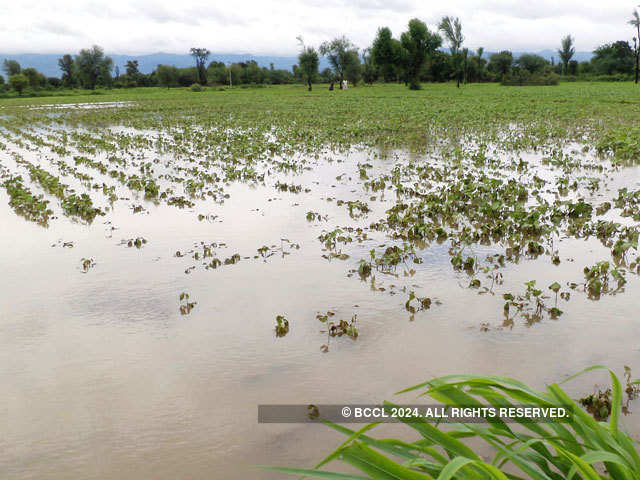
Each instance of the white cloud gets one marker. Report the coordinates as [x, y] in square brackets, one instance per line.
[270, 26]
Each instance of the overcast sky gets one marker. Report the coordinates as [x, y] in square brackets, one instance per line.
[270, 27]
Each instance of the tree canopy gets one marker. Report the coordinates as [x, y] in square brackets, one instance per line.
[337, 53]
[566, 52]
[94, 67]
[67, 66]
[308, 62]
[418, 42]
[10, 67]
[613, 58]
[385, 54]
[18, 82]
[532, 63]
[500, 63]
[200, 55]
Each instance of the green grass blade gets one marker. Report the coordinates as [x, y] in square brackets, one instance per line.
[313, 473]
[377, 465]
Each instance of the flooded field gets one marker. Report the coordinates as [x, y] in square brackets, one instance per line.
[171, 263]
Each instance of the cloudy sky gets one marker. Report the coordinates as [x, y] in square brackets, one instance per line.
[270, 27]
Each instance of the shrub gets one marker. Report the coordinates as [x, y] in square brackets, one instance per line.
[616, 77]
[196, 87]
[523, 77]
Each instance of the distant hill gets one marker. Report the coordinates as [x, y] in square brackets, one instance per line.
[48, 63]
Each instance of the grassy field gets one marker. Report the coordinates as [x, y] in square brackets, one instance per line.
[387, 114]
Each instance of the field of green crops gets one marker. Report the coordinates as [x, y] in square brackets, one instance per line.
[256, 236]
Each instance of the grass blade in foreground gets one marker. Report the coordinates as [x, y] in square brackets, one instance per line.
[580, 448]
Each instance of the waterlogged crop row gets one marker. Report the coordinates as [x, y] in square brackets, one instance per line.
[514, 171]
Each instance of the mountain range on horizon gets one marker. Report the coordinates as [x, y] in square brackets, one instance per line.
[47, 63]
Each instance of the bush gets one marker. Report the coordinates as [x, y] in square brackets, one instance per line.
[523, 77]
[196, 87]
[616, 77]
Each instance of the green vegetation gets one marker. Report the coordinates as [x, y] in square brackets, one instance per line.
[18, 82]
[418, 43]
[308, 61]
[466, 189]
[32, 207]
[566, 52]
[576, 447]
[522, 201]
[93, 67]
[483, 181]
[342, 56]
[282, 326]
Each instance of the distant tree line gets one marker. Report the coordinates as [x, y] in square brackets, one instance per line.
[417, 56]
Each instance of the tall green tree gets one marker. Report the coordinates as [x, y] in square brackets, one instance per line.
[308, 62]
[251, 73]
[384, 54]
[635, 22]
[18, 82]
[67, 66]
[132, 68]
[93, 67]
[200, 55]
[465, 64]
[369, 68]
[35, 78]
[566, 52]
[573, 67]
[479, 64]
[531, 62]
[613, 58]
[451, 28]
[419, 43]
[167, 75]
[11, 67]
[337, 52]
[500, 63]
[353, 71]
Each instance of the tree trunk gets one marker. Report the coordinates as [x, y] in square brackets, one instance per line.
[309, 84]
[341, 80]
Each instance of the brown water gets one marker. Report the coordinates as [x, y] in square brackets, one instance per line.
[102, 378]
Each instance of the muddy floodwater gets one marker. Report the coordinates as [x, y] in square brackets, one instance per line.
[103, 376]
